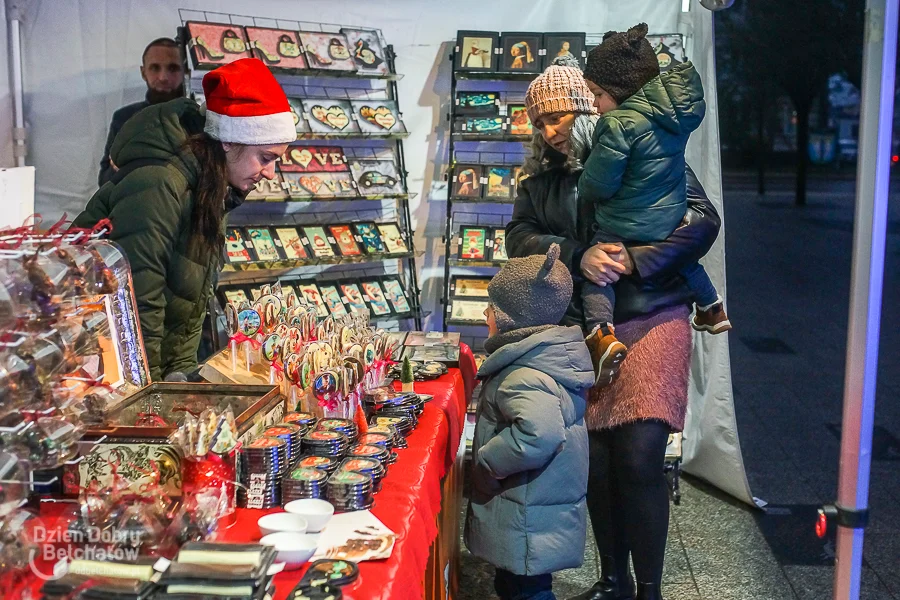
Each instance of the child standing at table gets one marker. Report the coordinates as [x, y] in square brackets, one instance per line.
[527, 513]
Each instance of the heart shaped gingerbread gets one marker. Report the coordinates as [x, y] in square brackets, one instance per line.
[333, 116]
[311, 184]
[381, 116]
[301, 157]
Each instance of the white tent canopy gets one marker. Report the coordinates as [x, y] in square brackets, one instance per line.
[81, 62]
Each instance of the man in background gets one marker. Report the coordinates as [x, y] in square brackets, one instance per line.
[162, 68]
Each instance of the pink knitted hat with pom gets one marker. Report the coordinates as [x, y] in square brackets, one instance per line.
[560, 88]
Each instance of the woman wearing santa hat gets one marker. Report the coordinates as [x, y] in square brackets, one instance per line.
[181, 169]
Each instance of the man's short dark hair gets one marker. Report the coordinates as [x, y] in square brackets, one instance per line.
[163, 41]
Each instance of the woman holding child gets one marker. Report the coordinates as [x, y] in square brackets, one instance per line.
[645, 281]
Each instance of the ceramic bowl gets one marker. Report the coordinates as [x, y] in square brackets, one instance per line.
[286, 522]
[316, 512]
[294, 550]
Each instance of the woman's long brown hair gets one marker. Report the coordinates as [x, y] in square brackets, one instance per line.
[209, 195]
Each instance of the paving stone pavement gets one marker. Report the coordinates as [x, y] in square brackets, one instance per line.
[788, 297]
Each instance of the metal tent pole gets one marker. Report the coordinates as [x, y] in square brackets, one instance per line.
[873, 173]
[15, 11]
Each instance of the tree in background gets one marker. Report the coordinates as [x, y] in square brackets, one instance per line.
[791, 46]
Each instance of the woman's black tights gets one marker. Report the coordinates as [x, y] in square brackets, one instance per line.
[628, 498]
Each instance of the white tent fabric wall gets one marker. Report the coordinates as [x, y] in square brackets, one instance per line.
[81, 64]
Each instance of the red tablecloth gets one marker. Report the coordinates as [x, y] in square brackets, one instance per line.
[408, 503]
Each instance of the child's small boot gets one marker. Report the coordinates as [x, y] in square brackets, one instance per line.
[607, 353]
[711, 318]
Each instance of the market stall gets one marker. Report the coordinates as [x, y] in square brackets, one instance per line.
[102, 467]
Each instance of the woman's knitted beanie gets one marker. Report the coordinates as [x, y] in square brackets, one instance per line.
[560, 88]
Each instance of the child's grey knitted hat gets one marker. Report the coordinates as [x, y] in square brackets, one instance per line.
[531, 291]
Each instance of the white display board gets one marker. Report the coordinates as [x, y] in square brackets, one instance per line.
[81, 64]
[16, 196]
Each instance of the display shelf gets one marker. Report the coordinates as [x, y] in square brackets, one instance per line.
[311, 135]
[466, 136]
[491, 75]
[465, 323]
[313, 262]
[470, 200]
[369, 197]
[319, 73]
[463, 262]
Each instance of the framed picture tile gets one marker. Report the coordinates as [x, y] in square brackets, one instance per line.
[291, 243]
[477, 103]
[215, 44]
[374, 294]
[235, 296]
[263, 244]
[319, 185]
[375, 177]
[520, 52]
[305, 158]
[518, 175]
[327, 51]
[278, 48]
[366, 50]
[300, 122]
[236, 247]
[319, 242]
[468, 310]
[467, 181]
[519, 123]
[378, 116]
[473, 243]
[396, 295]
[333, 299]
[669, 50]
[469, 287]
[563, 44]
[483, 125]
[354, 296]
[393, 238]
[310, 293]
[499, 251]
[268, 189]
[370, 238]
[326, 115]
[476, 50]
[345, 240]
[499, 183]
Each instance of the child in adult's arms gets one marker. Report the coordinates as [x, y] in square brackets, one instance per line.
[635, 173]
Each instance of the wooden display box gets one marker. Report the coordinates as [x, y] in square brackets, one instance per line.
[135, 435]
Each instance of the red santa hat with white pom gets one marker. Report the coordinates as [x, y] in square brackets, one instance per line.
[246, 105]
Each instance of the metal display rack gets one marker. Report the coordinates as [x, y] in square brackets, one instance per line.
[489, 149]
[302, 210]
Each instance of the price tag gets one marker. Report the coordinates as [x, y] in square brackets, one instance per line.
[331, 240]
[248, 244]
